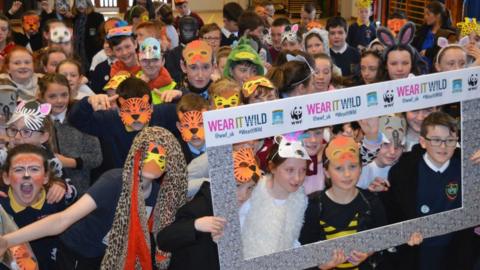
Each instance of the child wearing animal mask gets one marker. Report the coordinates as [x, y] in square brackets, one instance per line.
[123, 44]
[30, 124]
[155, 74]
[61, 37]
[243, 62]
[258, 89]
[278, 200]
[344, 209]
[224, 93]
[198, 66]
[26, 177]
[117, 128]
[31, 37]
[471, 28]
[191, 237]
[153, 185]
[392, 133]
[190, 124]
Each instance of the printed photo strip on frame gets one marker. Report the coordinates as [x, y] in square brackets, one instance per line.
[228, 126]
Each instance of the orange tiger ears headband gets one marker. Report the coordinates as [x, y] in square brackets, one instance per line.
[251, 85]
[155, 161]
[341, 149]
[468, 26]
[191, 124]
[245, 166]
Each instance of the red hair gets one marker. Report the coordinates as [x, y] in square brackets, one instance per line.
[9, 55]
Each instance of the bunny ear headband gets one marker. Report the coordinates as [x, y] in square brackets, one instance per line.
[290, 33]
[300, 58]
[443, 44]
[405, 35]
[404, 38]
[291, 147]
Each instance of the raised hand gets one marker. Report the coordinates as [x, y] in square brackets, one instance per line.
[101, 101]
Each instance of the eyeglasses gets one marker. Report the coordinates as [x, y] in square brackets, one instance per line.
[211, 38]
[437, 142]
[24, 133]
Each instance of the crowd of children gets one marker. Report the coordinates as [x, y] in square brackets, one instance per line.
[102, 142]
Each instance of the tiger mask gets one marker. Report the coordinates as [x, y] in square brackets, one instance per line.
[135, 112]
[191, 128]
[245, 166]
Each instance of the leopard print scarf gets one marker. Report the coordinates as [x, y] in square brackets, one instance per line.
[129, 242]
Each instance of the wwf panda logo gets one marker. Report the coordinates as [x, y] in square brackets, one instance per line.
[473, 80]
[296, 113]
[388, 96]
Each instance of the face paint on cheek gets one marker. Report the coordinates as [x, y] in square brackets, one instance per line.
[155, 162]
[191, 124]
[33, 169]
[221, 102]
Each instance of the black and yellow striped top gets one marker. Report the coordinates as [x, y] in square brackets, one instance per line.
[332, 232]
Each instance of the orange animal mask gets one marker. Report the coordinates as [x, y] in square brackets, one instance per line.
[245, 166]
[396, 24]
[191, 124]
[135, 112]
[31, 24]
[197, 51]
[156, 159]
[220, 102]
[341, 149]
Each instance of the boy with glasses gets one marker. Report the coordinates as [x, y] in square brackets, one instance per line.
[427, 181]
[212, 34]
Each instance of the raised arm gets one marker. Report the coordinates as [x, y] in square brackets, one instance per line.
[51, 225]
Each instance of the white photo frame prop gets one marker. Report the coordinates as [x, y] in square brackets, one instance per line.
[255, 121]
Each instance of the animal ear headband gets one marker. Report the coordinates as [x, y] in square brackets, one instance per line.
[33, 114]
[468, 26]
[300, 58]
[323, 37]
[404, 37]
[290, 147]
[290, 33]
[443, 44]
